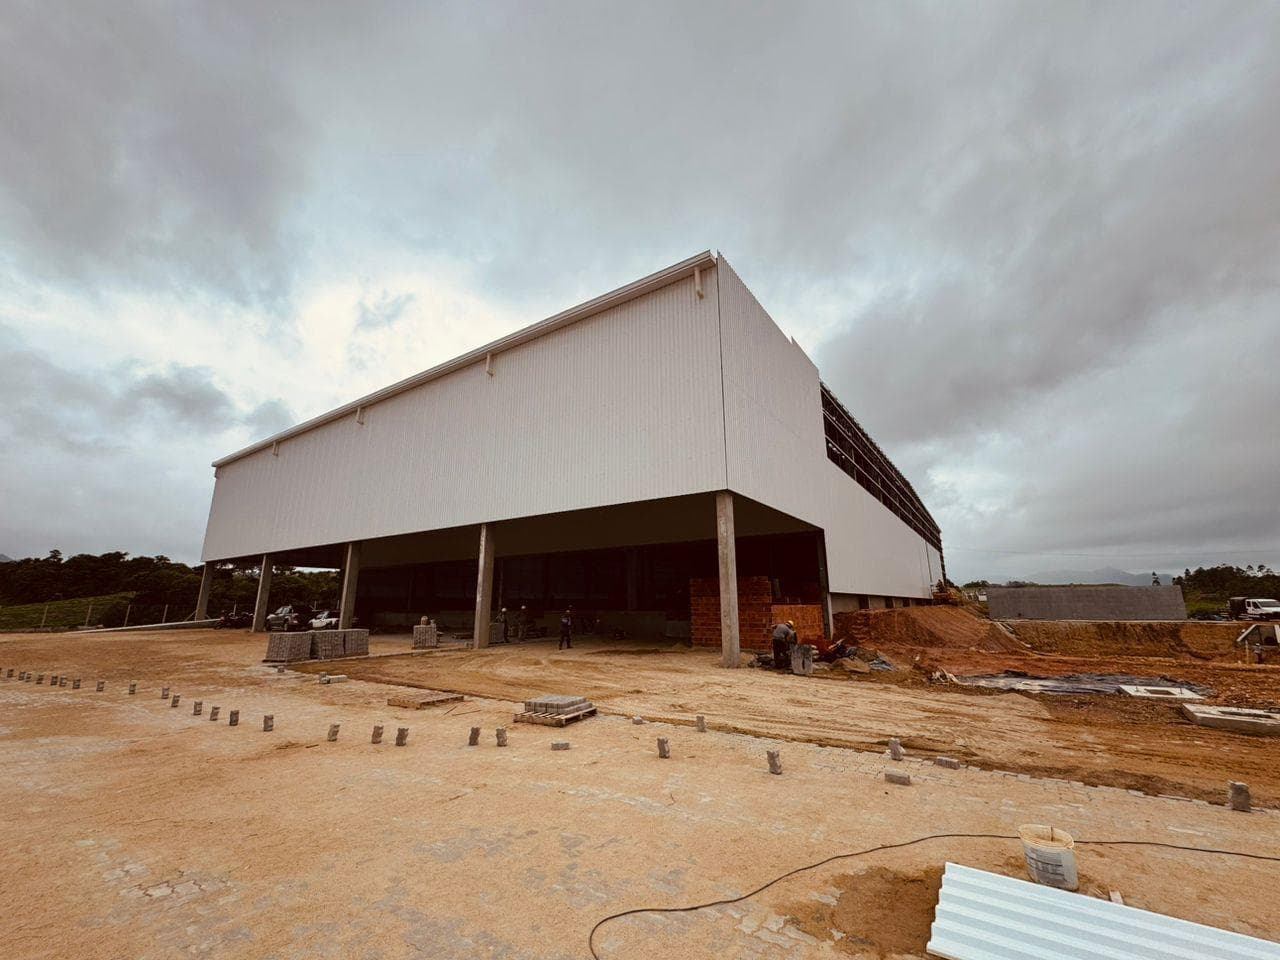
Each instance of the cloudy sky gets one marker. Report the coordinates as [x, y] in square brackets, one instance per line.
[1034, 247]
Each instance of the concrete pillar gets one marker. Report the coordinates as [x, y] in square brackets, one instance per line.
[260, 610]
[726, 544]
[350, 575]
[202, 599]
[633, 578]
[824, 587]
[484, 587]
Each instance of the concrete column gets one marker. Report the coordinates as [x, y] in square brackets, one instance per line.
[726, 544]
[260, 609]
[206, 584]
[824, 586]
[484, 587]
[350, 574]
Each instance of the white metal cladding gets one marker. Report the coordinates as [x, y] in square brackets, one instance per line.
[984, 916]
[618, 407]
[776, 454]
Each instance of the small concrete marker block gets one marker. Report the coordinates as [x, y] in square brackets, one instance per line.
[279, 669]
[133, 688]
[637, 720]
[501, 735]
[164, 693]
[1238, 796]
[233, 718]
[702, 724]
[560, 745]
[333, 732]
[775, 761]
[474, 740]
[664, 748]
[377, 735]
[62, 681]
[10, 675]
[197, 708]
[901, 779]
[895, 749]
[949, 762]
[102, 685]
[268, 722]
[75, 684]
[402, 736]
[53, 679]
[213, 713]
[175, 701]
[39, 678]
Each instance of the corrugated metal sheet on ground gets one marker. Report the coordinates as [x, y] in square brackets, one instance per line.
[984, 916]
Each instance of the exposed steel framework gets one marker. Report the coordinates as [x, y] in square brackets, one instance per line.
[851, 449]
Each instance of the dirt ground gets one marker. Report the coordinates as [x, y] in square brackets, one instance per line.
[135, 829]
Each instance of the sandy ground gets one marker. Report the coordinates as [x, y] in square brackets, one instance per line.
[135, 829]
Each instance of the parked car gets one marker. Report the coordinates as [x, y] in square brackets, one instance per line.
[328, 620]
[233, 621]
[1254, 608]
[293, 616]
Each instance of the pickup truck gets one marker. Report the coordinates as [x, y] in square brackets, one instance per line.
[1254, 608]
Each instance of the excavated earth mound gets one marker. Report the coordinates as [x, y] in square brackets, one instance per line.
[939, 627]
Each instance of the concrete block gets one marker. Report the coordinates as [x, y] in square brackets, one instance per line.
[949, 762]
[102, 685]
[1238, 796]
[197, 708]
[335, 678]
[1264, 723]
[560, 745]
[775, 761]
[501, 735]
[75, 684]
[664, 748]
[402, 736]
[164, 693]
[333, 731]
[133, 688]
[802, 655]
[268, 722]
[62, 681]
[39, 678]
[175, 700]
[213, 713]
[895, 749]
[637, 720]
[901, 779]
[233, 718]
[377, 735]
[701, 723]
[53, 679]
[474, 739]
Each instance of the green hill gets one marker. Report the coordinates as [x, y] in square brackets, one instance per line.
[64, 614]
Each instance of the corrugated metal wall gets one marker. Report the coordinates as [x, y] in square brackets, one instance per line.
[620, 407]
[777, 455]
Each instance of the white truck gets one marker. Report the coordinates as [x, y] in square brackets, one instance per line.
[1254, 608]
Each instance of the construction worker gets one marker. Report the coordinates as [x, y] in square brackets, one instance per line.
[566, 630]
[522, 624]
[502, 619]
[784, 638]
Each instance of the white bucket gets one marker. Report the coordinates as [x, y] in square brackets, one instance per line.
[1051, 856]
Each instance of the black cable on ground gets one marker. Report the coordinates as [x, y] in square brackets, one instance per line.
[896, 846]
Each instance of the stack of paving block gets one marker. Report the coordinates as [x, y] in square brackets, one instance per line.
[356, 643]
[288, 647]
[425, 636]
[327, 644]
[556, 711]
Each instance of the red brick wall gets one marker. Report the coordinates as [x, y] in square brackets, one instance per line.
[808, 620]
[755, 613]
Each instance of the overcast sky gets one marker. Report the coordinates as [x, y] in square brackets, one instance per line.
[1035, 248]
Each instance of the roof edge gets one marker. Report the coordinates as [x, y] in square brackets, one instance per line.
[637, 288]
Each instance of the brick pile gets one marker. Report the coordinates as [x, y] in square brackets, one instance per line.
[755, 601]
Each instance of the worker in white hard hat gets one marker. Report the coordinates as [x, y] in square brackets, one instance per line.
[784, 638]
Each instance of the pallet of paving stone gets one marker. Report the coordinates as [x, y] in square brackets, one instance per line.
[287, 647]
[555, 719]
[423, 699]
[355, 643]
[327, 644]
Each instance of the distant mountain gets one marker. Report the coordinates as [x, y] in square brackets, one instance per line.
[5, 559]
[1102, 575]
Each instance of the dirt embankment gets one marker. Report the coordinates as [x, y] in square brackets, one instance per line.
[1188, 640]
[924, 628]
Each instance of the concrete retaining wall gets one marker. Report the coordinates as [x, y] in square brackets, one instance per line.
[1086, 603]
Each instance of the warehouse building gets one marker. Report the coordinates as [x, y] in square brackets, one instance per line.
[662, 458]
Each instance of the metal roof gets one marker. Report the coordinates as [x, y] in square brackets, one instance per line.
[582, 311]
[985, 916]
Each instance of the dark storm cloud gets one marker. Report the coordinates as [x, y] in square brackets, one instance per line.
[148, 145]
[1034, 247]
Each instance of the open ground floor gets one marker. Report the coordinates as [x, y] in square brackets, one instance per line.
[136, 828]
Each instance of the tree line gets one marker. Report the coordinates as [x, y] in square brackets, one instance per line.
[153, 584]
